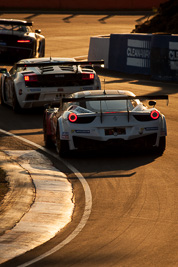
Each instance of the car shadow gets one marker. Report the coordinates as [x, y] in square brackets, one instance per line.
[120, 163]
[165, 87]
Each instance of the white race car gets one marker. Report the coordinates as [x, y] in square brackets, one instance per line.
[111, 118]
[35, 82]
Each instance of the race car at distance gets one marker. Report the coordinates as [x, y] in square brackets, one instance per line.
[35, 82]
[91, 120]
[18, 41]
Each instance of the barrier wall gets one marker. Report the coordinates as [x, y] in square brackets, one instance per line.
[77, 5]
[153, 54]
[164, 57]
[99, 49]
[130, 53]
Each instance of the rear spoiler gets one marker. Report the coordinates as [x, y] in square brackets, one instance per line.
[15, 22]
[59, 63]
[102, 98]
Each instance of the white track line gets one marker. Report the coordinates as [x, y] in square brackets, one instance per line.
[88, 201]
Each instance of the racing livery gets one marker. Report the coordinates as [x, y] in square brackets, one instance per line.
[17, 41]
[109, 118]
[35, 82]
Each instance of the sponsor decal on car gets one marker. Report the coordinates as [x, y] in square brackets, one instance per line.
[35, 90]
[65, 135]
[151, 128]
[80, 131]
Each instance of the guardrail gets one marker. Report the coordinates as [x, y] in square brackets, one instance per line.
[149, 54]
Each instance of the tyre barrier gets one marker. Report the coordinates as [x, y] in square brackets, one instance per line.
[155, 55]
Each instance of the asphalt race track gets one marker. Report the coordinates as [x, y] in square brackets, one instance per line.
[134, 215]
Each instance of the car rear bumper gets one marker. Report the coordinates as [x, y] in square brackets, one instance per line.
[41, 96]
[147, 141]
[12, 54]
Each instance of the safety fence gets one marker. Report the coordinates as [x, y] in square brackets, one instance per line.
[149, 54]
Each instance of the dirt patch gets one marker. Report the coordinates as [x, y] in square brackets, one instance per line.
[4, 186]
[164, 21]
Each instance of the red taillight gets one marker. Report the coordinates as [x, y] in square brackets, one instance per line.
[23, 41]
[30, 78]
[154, 114]
[26, 78]
[72, 117]
[88, 76]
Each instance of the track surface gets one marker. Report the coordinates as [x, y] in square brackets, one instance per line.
[134, 214]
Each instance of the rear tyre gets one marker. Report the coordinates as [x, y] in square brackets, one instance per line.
[47, 138]
[15, 104]
[1, 97]
[1, 94]
[162, 145]
[62, 145]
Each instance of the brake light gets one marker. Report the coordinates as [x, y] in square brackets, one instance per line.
[72, 117]
[26, 78]
[23, 41]
[30, 78]
[88, 76]
[154, 114]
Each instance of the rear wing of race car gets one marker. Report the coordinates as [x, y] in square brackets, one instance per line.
[15, 22]
[104, 98]
[61, 63]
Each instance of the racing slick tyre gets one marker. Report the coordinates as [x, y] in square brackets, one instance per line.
[162, 146]
[47, 138]
[1, 97]
[62, 145]
[15, 104]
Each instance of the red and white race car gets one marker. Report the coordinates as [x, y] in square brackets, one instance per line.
[109, 119]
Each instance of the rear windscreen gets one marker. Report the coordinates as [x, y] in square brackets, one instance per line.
[111, 105]
[19, 28]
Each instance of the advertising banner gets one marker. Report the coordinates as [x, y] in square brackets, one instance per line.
[164, 57]
[130, 53]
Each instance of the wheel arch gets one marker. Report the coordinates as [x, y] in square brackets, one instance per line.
[163, 126]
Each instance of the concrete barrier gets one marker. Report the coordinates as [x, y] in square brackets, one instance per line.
[99, 49]
[149, 54]
[164, 57]
[130, 53]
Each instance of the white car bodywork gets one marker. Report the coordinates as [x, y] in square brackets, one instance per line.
[91, 124]
[38, 81]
